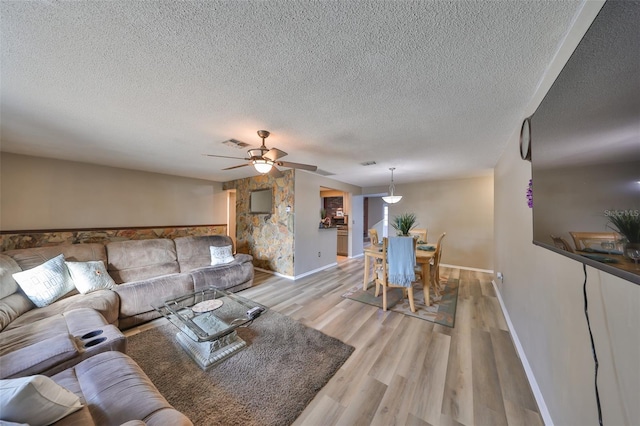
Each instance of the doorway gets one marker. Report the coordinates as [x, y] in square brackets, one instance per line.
[231, 216]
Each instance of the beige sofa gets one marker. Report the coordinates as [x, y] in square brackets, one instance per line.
[146, 272]
[52, 339]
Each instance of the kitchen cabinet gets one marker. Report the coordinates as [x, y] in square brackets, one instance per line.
[343, 243]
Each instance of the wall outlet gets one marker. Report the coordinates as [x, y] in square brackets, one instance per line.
[319, 254]
[500, 276]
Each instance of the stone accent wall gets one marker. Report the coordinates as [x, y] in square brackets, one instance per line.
[269, 238]
[30, 239]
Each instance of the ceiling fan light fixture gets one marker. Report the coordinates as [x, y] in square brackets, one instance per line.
[262, 166]
[392, 199]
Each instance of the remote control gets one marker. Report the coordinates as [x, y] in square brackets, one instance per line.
[255, 312]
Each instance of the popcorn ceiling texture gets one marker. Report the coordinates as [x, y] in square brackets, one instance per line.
[434, 88]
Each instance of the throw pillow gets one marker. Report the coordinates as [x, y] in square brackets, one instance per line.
[45, 283]
[221, 255]
[90, 276]
[36, 400]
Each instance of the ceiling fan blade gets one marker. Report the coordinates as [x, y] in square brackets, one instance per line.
[276, 173]
[274, 153]
[297, 166]
[224, 156]
[235, 167]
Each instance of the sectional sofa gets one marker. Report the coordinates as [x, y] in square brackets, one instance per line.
[62, 338]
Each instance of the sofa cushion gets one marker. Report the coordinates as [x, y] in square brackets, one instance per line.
[12, 307]
[118, 391]
[30, 258]
[36, 400]
[75, 323]
[141, 259]
[8, 267]
[194, 252]
[105, 302]
[138, 297]
[45, 283]
[13, 302]
[230, 276]
[90, 276]
[39, 357]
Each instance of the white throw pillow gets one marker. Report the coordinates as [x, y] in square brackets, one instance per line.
[90, 276]
[45, 283]
[36, 400]
[221, 255]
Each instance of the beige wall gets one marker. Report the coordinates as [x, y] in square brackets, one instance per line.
[307, 218]
[542, 292]
[375, 210]
[463, 208]
[40, 193]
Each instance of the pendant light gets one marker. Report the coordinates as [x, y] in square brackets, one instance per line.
[392, 199]
[262, 166]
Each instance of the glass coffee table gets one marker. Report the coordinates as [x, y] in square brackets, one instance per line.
[207, 321]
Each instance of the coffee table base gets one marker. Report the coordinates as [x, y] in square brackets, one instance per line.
[208, 354]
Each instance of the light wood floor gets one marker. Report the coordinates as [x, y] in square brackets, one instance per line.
[407, 371]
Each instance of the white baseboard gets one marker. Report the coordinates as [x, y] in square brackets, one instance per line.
[277, 274]
[488, 271]
[542, 406]
[297, 277]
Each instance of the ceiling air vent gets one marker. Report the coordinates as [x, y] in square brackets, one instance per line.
[235, 143]
[368, 163]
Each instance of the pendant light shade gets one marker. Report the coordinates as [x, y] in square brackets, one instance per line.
[263, 166]
[392, 199]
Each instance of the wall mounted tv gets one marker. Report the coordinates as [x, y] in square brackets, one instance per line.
[585, 148]
[261, 201]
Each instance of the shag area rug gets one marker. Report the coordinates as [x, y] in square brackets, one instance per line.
[269, 382]
[442, 310]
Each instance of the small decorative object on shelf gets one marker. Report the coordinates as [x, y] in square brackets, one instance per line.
[325, 221]
[530, 194]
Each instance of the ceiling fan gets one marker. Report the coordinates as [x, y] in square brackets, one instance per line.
[265, 160]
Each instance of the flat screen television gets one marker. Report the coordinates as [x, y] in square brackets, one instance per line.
[585, 148]
[261, 201]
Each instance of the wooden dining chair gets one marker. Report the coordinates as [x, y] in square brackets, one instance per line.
[421, 233]
[373, 236]
[435, 266]
[561, 243]
[382, 277]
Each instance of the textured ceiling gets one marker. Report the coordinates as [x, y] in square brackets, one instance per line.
[432, 88]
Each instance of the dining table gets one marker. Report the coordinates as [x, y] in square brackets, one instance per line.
[423, 258]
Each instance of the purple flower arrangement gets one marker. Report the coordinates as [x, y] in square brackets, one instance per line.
[530, 194]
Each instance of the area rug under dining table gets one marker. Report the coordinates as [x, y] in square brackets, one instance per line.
[442, 310]
[270, 382]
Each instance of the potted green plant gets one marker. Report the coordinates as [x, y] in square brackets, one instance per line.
[404, 223]
[627, 223]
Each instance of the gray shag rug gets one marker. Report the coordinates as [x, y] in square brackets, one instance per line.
[269, 382]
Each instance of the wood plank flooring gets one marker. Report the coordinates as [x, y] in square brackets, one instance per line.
[407, 371]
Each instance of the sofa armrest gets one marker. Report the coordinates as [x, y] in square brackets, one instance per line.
[242, 258]
[39, 357]
[139, 297]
